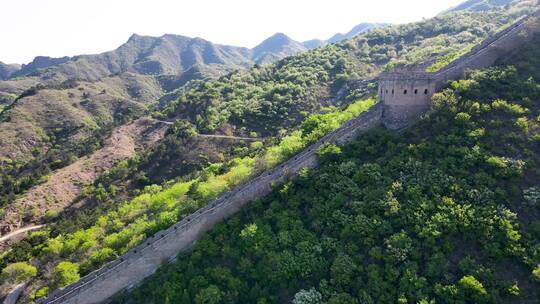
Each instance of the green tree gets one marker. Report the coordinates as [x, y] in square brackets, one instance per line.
[342, 298]
[311, 296]
[66, 273]
[398, 247]
[210, 295]
[18, 272]
[328, 151]
[472, 288]
[42, 292]
[536, 273]
[342, 270]
[463, 117]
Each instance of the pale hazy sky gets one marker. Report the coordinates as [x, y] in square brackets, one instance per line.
[69, 27]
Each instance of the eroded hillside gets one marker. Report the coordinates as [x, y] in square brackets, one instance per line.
[50, 128]
[65, 185]
[54, 110]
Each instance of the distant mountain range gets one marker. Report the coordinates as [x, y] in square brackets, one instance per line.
[6, 70]
[167, 55]
[84, 95]
[176, 55]
[276, 47]
[360, 28]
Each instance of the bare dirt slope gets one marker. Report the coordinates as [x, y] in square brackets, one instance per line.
[71, 115]
[65, 184]
[20, 231]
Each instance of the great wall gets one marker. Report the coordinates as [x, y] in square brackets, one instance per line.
[407, 95]
[403, 98]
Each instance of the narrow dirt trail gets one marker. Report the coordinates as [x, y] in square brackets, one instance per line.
[212, 135]
[65, 184]
[20, 231]
[229, 137]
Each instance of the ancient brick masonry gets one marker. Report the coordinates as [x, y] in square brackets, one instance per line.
[403, 98]
[407, 95]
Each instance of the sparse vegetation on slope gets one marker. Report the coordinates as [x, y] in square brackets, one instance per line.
[64, 186]
[51, 128]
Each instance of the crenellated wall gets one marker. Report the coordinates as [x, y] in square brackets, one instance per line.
[407, 95]
[144, 260]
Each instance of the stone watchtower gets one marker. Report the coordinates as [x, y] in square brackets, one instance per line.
[405, 97]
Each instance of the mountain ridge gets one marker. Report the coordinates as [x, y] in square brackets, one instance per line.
[479, 5]
[7, 70]
[358, 29]
[169, 54]
[277, 45]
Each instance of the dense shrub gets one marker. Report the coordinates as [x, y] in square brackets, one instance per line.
[18, 272]
[66, 273]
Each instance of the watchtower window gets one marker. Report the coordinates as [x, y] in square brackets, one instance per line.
[381, 91]
[392, 92]
[405, 92]
[415, 91]
[426, 91]
[386, 91]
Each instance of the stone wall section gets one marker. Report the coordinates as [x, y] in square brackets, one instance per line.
[487, 53]
[407, 95]
[143, 260]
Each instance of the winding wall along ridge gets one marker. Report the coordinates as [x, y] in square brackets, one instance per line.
[482, 46]
[505, 39]
[407, 95]
[145, 258]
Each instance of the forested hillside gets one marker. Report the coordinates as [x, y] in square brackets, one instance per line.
[283, 106]
[446, 212]
[53, 111]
